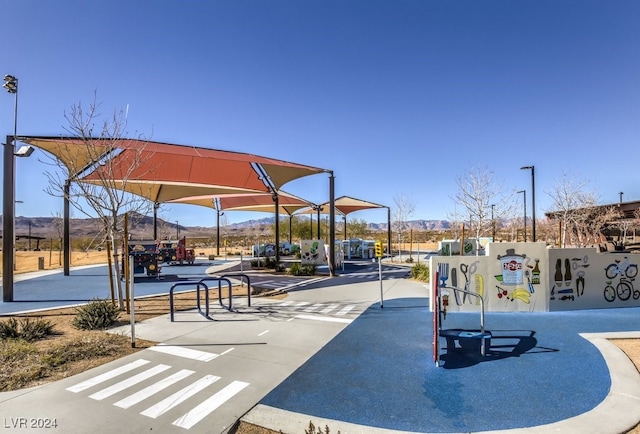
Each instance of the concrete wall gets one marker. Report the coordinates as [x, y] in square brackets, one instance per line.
[528, 277]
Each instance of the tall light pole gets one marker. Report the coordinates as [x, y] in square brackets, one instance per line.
[533, 199]
[177, 230]
[9, 195]
[524, 201]
[621, 193]
[493, 224]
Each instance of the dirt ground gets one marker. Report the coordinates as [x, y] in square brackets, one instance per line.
[147, 308]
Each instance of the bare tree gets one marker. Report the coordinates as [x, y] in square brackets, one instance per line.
[574, 205]
[403, 211]
[635, 223]
[481, 197]
[96, 154]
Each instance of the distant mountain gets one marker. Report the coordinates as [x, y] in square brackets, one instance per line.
[141, 227]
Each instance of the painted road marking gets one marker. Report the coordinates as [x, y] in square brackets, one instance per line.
[325, 318]
[180, 396]
[125, 384]
[106, 376]
[209, 405]
[313, 307]
[198, 410]
[346, 309]
[153, 389]
[188, 353]
[329, 308]
[227, 351]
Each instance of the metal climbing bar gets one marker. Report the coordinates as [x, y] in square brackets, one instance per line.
[470, 334]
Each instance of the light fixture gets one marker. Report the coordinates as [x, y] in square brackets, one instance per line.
[25, 151]
[10, 83]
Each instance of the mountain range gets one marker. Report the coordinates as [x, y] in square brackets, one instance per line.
[142, 227]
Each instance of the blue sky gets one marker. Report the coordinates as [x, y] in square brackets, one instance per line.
[396, 97]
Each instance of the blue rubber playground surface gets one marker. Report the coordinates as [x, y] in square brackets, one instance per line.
[379, 371]
[50, 289]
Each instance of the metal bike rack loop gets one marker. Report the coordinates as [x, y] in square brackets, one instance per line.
[198, 285]
[219, 280]
[242, 276]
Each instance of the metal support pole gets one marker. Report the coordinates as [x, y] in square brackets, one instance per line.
[332, 225]
[8, 207]
[389, 230]
[66, 242]
[276, 202]
[493, 224]
[217, 232]
[533, 198]
[533, 203]
[156, 205]
[524, 201]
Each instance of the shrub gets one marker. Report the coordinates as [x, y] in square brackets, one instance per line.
[312, 429]
[27, 329]
[297, 269]
[266, 262]
[9, 329]
[97, 314]
[31, 330]
[420, 272]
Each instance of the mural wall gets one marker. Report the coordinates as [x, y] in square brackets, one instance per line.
[528, 277]
[312, 252]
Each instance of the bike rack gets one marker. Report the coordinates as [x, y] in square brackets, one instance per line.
[201, 284]
[219, 280]
[242, 276]
[198, 285]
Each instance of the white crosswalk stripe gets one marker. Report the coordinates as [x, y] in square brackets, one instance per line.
[345, 310]
[319, 311]
[153, 389]
[313, 308]
[184, 352]
[329, 308]
[208, 406]
[125, 384]
[107, 376]
[179, 397]
[185, 396]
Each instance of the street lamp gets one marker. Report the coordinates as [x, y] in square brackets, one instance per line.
[533, 199]
[621, 193]
[9, 194]
[524, 201]
[493, 223]
[177, 230]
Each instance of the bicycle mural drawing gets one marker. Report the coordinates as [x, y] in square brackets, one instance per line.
[624, 289]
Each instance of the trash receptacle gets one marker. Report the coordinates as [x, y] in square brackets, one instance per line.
[40, 262]
[212, 257]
